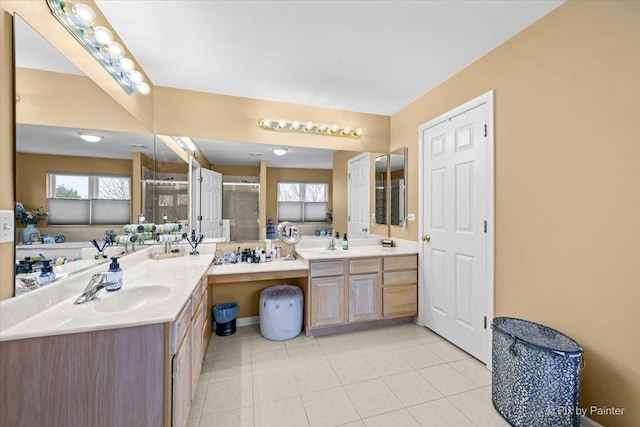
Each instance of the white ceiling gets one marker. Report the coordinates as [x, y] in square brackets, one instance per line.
[235, 153]
[66, 142]
[366, 56]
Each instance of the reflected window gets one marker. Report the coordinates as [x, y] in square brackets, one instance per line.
[87, 199]
[303, 201]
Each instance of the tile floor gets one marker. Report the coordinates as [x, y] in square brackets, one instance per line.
[402, 375]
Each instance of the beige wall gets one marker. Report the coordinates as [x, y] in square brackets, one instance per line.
[230, 118]
[567, 112]
[69, 100]
[290, 174]
[237, 170]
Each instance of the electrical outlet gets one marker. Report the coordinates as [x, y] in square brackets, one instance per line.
[411, 217]
[7, 231]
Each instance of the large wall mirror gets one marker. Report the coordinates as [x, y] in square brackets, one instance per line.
[86, 187]
[292, 174]
[381, 193]
[398, 181]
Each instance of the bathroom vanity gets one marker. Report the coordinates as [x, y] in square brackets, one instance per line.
[130, 357]
[362, 287]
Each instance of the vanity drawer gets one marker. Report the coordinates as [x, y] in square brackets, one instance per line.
[327, 268]
[180, 327]
[396, 278]
[399, 301]
[358, 266]
[407, 262]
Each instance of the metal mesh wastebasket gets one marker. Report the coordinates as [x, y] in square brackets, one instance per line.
[536, 374]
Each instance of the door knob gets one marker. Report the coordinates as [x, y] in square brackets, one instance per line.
[426, 238]
[365, 229]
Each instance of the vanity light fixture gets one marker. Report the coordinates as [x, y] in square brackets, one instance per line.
[310, 128]
[78, 19]
[184, 142]
[89, 137]
[280, 151]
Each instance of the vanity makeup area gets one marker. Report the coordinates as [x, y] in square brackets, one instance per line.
[133, 357]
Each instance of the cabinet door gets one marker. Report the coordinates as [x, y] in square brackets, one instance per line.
[196, 349]
[400, 301]
[182, 383]
[364, 297]
[327, 301]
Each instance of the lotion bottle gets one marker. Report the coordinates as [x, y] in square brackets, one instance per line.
[345, 242]
[114, 275]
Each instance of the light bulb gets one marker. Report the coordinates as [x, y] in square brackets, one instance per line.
[346, 131]
[266, 123]
[135, 77]
[359, 131]
[83, 13]
[102, 35]
[308, 126]
[282, 124]
[322, 127]
[334, 128]
[126, 65]
[295, 125]
[143, 88]
[113, 51]
[280, 151]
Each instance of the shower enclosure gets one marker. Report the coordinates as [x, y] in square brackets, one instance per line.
[241, 209]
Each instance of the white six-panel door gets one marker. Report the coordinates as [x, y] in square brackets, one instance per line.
[211, 203]
[454, 239]
[358, 195]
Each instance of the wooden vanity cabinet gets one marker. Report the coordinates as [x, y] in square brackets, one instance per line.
[358, 290]
[364, 290]
[327, 294]
[400, 286]
[190, 342]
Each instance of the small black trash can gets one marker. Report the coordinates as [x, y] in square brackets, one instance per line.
[224, 315]
[536, 374]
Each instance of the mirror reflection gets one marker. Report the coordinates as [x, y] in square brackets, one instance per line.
[80, 158]
[398, 177]
[381, 189]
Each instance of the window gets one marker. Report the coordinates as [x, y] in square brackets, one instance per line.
[87, 199]
[303, 201]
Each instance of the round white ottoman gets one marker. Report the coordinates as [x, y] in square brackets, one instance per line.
[281, 312]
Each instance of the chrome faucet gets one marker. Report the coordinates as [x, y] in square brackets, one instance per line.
[332, 244]
[97, 282]
[25, 284]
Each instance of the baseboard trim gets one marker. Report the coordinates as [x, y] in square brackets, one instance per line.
[246, 321]
[588, 422]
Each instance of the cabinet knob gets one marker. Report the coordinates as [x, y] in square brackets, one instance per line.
[426, 238]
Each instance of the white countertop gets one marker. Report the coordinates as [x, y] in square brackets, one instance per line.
[50, 309]
[315, 254]
[263, 267]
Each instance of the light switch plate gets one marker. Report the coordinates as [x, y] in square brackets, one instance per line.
[6, 226]
[411, 217]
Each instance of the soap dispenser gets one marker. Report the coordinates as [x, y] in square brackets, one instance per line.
[345, 242]
[114, 275]
[46, 273]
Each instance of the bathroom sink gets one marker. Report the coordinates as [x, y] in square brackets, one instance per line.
[130, 298]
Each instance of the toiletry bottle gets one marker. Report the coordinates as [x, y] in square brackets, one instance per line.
[345, 242]
[114, 275]
[337, 234]
[46, 274]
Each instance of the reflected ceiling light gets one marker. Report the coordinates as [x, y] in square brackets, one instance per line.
[89, 137]
[280, 151]
[310, 128]
[78, 19]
